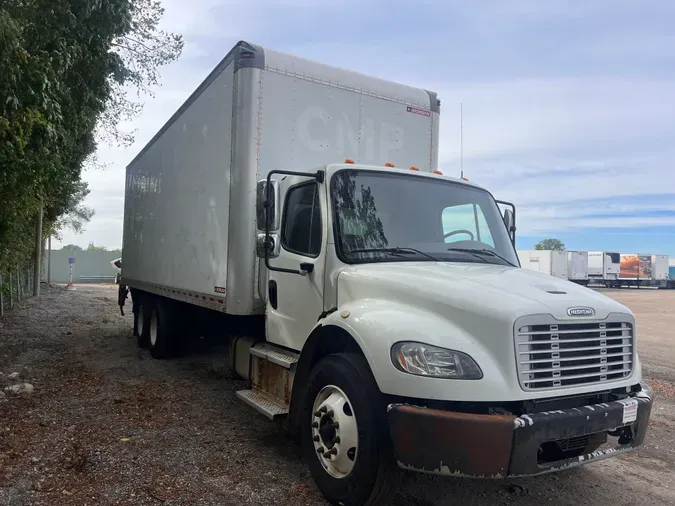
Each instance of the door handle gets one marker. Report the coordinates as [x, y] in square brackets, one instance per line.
[306, 268]
[273, 294]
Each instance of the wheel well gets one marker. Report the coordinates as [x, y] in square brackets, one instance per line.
[322, 342]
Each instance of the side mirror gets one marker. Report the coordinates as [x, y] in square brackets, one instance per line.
[510, 222]
[273, 246]
[271, 207]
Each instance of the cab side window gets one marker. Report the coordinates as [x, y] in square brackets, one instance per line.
[301, 230]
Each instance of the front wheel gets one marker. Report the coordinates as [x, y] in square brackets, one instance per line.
[345, 437]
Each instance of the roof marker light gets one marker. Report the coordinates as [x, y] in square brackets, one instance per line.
[349, 160]
[438, 172]
[414, 168]
[465, 179]
[389, 164]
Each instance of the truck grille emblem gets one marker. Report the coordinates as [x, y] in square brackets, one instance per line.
[580, 311]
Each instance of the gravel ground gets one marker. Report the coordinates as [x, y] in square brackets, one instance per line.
[106, 424]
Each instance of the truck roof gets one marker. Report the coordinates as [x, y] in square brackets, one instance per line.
[380, 168]
[245, 54]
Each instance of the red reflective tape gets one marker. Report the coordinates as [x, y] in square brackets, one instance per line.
[211, 299]
[203, 297]
[220, 301]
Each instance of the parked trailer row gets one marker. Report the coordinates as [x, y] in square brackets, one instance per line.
[601, 267]
[380, 312]
[568, 265]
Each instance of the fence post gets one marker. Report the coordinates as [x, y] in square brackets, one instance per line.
[2, 299]
[18, 285]
[11, 292]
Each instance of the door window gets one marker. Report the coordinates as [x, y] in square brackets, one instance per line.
[301, 232]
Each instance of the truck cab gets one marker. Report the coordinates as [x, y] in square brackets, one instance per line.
[405, 335]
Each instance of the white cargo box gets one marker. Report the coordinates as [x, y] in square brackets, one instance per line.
[660, 267]
[604, 265]
[577, 265]
[189, 217]
[553, 263]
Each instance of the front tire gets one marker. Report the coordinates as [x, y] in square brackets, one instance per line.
[344, 433]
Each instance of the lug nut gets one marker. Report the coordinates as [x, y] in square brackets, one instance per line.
[323, 409]
[336, 440]
[315, 425]
[333, 451]
[331, 413]
[319, 449]
[316, 439]
[317, 414]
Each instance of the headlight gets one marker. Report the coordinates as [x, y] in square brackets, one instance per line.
[425, 360]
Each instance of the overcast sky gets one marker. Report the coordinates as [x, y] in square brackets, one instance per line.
[569, 107]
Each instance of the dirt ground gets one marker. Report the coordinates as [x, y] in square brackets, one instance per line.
[107, 424]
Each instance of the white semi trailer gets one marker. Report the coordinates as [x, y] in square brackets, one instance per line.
[604, 267]
[577, 267]
[380, 310]
[553, 263]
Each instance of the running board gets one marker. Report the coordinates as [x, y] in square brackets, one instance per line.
[263, 403]
[275, 355]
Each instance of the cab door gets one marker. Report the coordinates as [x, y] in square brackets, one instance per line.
[295, 293]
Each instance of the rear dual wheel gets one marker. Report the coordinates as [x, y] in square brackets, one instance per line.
[157, 327]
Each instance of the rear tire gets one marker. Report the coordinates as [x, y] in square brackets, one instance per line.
[349, 424]
[142, 321]
[162, 335]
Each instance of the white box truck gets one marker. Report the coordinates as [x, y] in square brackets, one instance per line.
[553, 263]
[604, 267]
[379, 310]
[577, 267]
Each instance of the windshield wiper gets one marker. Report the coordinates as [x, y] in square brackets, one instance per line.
[396, 251]
[478, 252]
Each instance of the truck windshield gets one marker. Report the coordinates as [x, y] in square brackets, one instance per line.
[384, 216]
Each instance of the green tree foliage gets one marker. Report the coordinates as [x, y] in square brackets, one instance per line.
[93, 247]
[67, 68]
[550, 244]
[72, 247]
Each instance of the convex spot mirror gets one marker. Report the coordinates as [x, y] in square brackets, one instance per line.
[272, 205]
[274, 245]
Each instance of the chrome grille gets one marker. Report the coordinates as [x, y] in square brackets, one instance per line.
[558, 355]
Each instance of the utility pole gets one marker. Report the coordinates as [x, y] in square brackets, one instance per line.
[38, 253]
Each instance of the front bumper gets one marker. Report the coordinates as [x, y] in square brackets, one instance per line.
[496, 446]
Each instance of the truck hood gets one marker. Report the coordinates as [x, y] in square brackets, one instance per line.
[479, 288]
[468, 307]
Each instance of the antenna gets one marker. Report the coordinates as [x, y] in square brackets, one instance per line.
[461, 139]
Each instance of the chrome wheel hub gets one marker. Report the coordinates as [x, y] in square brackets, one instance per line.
[334, 431]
